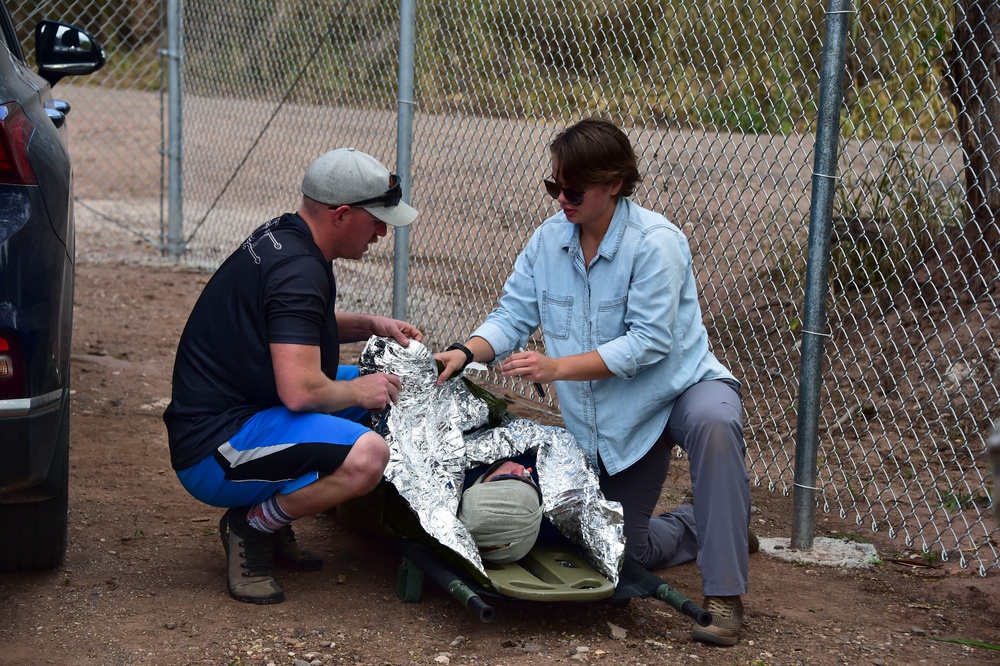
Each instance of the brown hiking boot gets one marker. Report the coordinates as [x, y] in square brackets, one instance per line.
[753, 543]
[727, 621]
[290, 555]
[249, 557]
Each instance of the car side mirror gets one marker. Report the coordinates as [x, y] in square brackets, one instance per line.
[65, 50]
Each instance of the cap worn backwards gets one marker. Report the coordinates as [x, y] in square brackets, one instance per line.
[346, 175]
[503, 518]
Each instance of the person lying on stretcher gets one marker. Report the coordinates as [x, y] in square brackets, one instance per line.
[502, 509]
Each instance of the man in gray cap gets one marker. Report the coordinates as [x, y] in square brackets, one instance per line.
[263, 418]
[502, 509]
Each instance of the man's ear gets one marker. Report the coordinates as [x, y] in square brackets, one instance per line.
[340, 215]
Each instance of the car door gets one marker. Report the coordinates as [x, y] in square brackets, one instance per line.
[36, 293]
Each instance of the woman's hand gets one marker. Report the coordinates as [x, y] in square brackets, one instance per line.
[452, 361]
[530, 365]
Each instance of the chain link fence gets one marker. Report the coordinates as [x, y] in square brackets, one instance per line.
[720, 101]
[116, 132]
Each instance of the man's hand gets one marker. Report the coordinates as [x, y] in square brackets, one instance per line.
[377, 390]
[401, 331]
[303, 387]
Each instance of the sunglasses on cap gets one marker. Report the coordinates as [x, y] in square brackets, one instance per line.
[391, 197]
[523, 479]
[575, 197]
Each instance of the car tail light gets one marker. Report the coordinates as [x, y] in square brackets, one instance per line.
[11, 368]
[15, 132]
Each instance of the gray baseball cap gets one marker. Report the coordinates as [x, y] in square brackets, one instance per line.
[346, 176]
[503, 517]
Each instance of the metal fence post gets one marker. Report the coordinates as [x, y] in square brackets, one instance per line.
[404, 151]
[175, 142]
[814, 317]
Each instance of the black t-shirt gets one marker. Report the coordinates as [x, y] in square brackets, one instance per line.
[277, 287]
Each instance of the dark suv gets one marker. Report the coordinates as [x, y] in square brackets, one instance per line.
[36, 291]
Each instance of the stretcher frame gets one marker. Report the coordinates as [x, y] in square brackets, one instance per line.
[550, 572]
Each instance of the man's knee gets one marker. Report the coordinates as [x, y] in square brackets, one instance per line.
[366, 462]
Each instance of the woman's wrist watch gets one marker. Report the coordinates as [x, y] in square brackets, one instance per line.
[469, 356]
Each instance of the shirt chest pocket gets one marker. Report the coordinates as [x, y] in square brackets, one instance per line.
[557, 315]
[610, 319]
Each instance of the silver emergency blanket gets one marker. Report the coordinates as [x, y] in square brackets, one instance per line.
[436, 433]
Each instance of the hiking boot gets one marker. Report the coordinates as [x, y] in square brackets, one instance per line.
[290, 555]
[727, 621]
[753, 543]
[249, 557]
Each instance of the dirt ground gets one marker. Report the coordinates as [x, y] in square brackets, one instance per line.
[143, 581]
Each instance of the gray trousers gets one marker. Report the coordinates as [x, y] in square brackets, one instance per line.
[707, 423]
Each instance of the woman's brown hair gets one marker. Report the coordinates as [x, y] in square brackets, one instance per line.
[595, 151]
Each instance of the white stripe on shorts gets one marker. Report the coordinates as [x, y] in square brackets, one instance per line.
[237, 458]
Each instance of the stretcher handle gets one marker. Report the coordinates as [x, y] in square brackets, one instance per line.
[471, 600]
[448, 580]
[666, 593]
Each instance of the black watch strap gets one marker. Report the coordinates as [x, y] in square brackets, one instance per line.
[469, 356]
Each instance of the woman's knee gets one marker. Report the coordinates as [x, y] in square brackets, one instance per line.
[716, 430]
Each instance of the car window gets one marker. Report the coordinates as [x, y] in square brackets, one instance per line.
[7, 34]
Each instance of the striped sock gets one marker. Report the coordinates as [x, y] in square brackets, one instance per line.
[268, 516]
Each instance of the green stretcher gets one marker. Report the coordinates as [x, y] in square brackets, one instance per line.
[550, 572]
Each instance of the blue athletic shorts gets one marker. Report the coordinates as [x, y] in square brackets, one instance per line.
[276, 451]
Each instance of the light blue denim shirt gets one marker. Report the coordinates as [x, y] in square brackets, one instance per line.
[637, 305]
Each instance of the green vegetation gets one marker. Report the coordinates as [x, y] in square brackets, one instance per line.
[953, 502]
[727, 66]
[741, 67]
[965, 641]
[888, 220]
[849, 536]
[130, 32]
[897, 62]
[929, 557]
[884, 223]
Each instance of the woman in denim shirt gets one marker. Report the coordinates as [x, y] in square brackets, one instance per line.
[612, 287]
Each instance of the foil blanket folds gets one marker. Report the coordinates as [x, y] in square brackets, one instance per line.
[436, 433]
